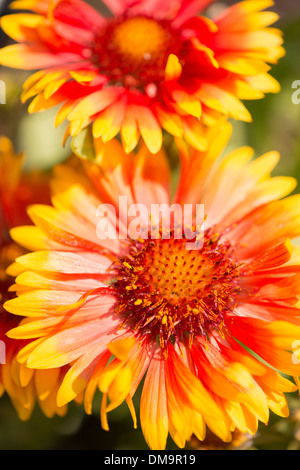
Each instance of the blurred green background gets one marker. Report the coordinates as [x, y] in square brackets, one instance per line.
[276, 126]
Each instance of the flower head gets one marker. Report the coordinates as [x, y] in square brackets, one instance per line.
[18, 189]
[149, 66]
[209, 326]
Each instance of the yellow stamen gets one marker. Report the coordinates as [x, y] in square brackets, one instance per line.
[127, 265]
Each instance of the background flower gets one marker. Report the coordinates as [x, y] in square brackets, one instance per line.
[18, 190]
[146, 68]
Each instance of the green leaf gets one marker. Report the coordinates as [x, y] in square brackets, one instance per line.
[83, 145]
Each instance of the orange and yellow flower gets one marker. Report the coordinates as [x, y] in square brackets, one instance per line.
[150, 66]
[24, 386]
[210, 330]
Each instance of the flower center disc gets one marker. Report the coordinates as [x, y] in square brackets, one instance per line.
[140, 39]
[169, 291]
[133, 52]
